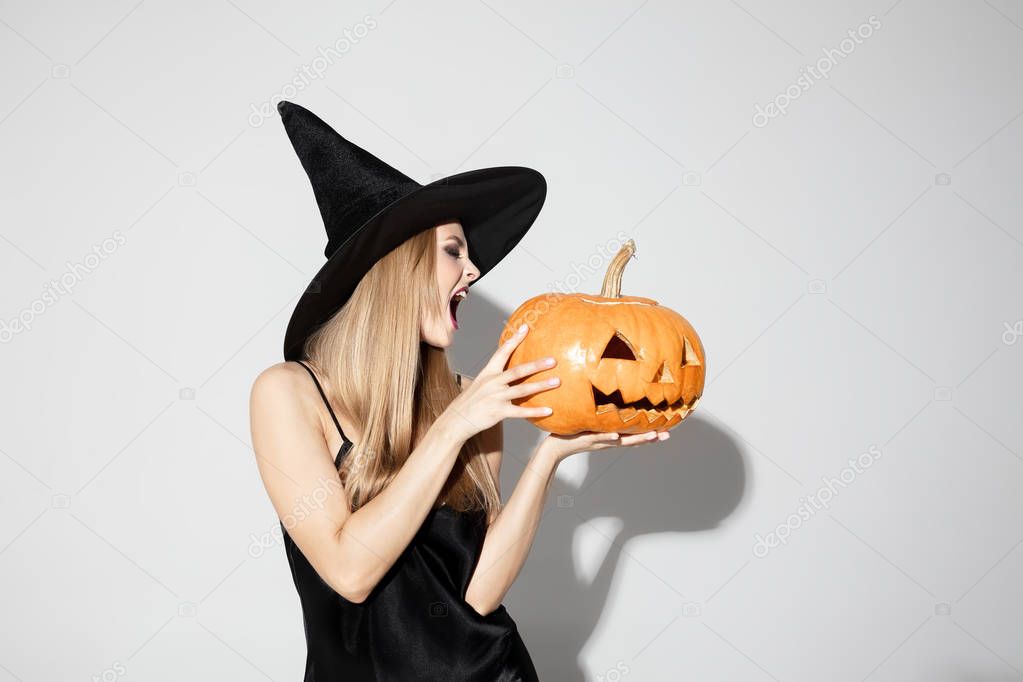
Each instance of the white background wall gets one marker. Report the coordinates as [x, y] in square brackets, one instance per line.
[854, 267]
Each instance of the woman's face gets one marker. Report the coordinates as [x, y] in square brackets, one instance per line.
[454, 272]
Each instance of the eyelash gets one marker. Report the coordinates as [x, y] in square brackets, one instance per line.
[454, 254]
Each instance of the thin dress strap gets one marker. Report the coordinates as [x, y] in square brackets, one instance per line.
[344, 439]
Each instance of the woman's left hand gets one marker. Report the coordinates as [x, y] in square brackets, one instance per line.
[559, 447]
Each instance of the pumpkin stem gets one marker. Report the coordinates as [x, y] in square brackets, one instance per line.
[613, 279]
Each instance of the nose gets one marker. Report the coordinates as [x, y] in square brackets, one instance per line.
[472, 272]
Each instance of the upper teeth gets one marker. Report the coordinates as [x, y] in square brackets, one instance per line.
[461, 293]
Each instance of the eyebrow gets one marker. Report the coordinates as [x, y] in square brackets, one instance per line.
[457, 239]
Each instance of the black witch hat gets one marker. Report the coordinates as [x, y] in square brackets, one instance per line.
[369, 208]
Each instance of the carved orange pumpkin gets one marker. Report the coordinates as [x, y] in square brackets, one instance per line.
[626, 364]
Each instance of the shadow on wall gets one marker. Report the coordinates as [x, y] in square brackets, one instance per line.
[689, 483]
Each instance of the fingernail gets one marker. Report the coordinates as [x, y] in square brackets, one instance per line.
[548, 361]
[523, 328]
[553, 381]
[548, 410]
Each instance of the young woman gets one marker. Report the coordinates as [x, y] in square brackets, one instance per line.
[399, 545]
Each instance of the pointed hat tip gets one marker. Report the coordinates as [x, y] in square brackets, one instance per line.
[283, 106]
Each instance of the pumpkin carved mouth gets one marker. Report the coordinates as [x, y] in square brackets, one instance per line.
[628, 411]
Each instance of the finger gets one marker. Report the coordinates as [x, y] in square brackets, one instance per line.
[599, 437]
[527, 412]
[530, 387]
[525, 369]
[639, 438]
[603, 441]
[594, 436]
[499, 359]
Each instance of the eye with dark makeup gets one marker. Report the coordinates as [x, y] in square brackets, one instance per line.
[455, 253]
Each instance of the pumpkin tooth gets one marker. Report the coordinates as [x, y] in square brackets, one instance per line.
[606, 407]
[672, 392]
[627, 413]
[655, 393]
[632, 387]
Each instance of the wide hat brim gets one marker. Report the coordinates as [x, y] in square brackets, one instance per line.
[495, 206]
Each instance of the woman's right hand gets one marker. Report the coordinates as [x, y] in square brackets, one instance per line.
[488, 400]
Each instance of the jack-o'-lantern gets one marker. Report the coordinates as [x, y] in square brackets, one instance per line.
[626, 364]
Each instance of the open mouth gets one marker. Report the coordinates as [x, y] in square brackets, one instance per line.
[456, 298]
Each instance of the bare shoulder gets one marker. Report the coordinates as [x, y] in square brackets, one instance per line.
[284, 381]
[278, 371]
[294, 464]
[283, 394]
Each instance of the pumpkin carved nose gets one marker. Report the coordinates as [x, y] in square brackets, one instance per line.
[664, 375]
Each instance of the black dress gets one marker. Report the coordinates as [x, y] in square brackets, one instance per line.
[415, 625]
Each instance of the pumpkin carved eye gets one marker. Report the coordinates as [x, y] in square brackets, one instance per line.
[619, 348]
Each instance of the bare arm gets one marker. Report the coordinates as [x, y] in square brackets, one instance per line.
[510, 537]
[350, 551]
[510, 534]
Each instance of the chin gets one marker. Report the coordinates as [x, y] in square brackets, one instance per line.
[438, 335]
[443, 341]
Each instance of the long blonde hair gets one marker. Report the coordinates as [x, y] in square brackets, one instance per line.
[390, 383]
